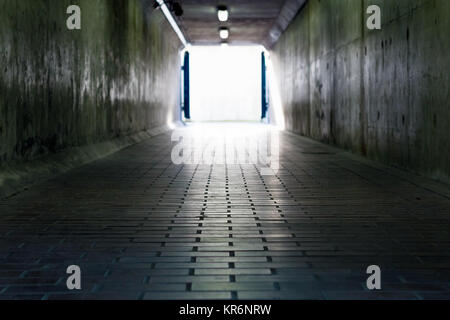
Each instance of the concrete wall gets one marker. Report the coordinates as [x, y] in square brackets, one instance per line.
[61, 89]
[382, 93]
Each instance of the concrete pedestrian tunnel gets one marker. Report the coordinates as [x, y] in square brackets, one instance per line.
[315, 167]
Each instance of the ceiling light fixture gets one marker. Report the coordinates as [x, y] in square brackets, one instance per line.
[222, 13]
[160, 4]
[224, 33]
[172, 5]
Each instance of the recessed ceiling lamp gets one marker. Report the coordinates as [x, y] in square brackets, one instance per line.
[222, 13]
[224, 33]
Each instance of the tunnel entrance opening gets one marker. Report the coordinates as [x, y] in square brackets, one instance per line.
[224, 84]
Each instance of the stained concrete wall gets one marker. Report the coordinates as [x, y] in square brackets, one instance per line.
[70, 97]
[380, 93]
[117, 76]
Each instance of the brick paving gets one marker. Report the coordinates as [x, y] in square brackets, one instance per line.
[141, 227]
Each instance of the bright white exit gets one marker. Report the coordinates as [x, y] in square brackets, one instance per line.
[225, 83]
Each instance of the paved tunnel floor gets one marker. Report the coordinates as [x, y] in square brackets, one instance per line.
[141, 227]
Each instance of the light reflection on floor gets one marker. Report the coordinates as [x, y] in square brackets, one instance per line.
[244, 143]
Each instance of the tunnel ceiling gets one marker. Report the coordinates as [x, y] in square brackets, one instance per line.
[250, 21]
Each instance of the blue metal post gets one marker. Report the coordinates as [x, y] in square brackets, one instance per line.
[186, 86]
[264, 104]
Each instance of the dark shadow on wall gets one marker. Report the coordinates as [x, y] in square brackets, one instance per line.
[380, 93]
[64, 90]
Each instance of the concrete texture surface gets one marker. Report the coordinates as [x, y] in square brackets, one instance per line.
[60, 89]
[383, 93]
[141, 227]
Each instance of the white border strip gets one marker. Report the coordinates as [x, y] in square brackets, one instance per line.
[172, 21]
